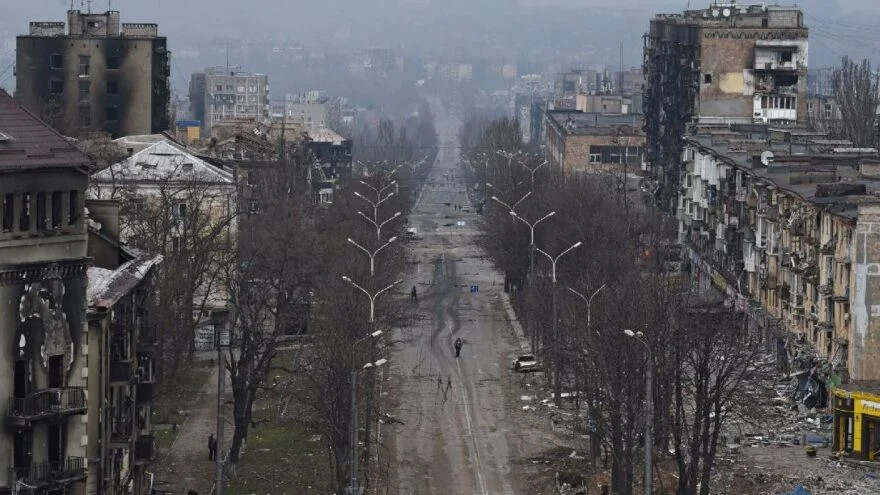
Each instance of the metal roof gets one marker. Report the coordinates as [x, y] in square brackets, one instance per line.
[28, 143]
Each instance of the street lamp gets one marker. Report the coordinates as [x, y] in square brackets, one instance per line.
[377, 224]
[375, 204]
[532, 260]
[354, 487]
[588, 300]
[378, 190]
[557, 365]
[371, 254]
[371, 297]
[512, 208]
[649, 410]
[533, 170]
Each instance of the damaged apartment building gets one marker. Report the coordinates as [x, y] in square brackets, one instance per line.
[96, 74]
[791, 221]
[727, 63]
[74, 310]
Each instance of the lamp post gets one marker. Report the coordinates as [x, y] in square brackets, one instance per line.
[375, 333]
[377, 224]
[354, 487]
[533, 170]
[509, 207]
[532, 226]
[588, 300]
[376, 204]
[371, 254]
[649, 410]
[557, 365]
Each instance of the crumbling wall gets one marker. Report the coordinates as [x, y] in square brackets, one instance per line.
[864, 339]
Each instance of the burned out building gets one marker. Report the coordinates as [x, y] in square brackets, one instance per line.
[727, 63]
[221, 94]
[95, 74]
[43, 264]
[122, 344]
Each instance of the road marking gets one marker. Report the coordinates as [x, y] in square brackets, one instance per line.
[467, 417]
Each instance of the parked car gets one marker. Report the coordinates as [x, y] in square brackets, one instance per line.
[526, 363]
[411, 234]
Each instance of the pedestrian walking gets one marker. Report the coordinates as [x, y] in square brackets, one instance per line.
[458, 344]
[413, 296]
[212, 447]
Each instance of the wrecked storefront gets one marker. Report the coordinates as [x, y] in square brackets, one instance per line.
[857, 421]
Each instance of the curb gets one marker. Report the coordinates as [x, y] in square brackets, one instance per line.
[514, 323]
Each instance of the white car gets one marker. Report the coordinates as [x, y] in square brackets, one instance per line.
[526, 363]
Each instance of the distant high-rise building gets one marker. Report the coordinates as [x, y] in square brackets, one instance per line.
[98, 75]
[221, 93]
[727, 63]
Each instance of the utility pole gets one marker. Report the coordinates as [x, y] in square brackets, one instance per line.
[649, 410]
[353, 488]
[223, 338]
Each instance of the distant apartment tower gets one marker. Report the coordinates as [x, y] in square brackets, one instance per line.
[221, 93]
[725, 64]
[99, 75]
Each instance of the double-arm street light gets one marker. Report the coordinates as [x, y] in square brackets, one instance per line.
[509, 207]
[649, 410]
[588, 300]
[371, 297]
[532, 170]
[531, 226]
[557, 365]
[378, 190]
[372, 254]
[378, 225]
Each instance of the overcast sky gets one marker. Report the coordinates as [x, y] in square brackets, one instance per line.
[593, 29]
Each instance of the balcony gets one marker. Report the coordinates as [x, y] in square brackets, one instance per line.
[53, 403]
[50, 473]
[120, 371]
[144, 449]
[121, 430]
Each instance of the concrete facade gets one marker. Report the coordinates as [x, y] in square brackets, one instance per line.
[102, 75]
[220, 93]
[727, 63]
[578, 142]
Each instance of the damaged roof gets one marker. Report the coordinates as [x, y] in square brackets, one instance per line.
[106, 287]
[28, 143]
[326, 135]
[163, 161]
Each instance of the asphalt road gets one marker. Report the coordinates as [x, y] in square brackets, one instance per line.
[462, 431]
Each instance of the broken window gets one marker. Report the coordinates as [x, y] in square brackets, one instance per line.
[8, 219]
[56, 86]
[219, 87]
[829, 111]
[112, 113]
[84, 91]
[56, 61]
[707, 78]
[112, 87]
[84, 65]
[73, 207]
[24, 218]
[41, 211]
[113, 61]
[56, 209]
[786, 57]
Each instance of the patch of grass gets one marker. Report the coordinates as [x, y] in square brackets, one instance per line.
[281, 458]
[165, 437]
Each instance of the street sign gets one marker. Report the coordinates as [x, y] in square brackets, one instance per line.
[475, 289]
[224, 338]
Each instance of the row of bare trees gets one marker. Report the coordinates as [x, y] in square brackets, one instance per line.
[618, 278]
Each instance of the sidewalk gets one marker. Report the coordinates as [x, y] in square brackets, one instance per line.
[185, 466]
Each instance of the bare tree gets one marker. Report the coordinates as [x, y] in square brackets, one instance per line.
[857, 92]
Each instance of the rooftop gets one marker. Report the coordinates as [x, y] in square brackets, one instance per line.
[592, 123]
[809, 165]
[326, 135]
[164, 160]
[28, 143]
[106, 287]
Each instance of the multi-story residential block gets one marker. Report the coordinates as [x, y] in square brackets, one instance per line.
[181, 206]
[311, 112]
[43, 263]
[98, 75]
[728, 63]
[219, 94]
[789, 219]
[122, 343]
[580, 142]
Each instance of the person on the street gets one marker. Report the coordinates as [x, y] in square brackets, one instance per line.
[413, 295]
[458, 344]
[212, 447]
